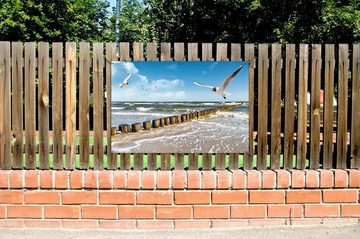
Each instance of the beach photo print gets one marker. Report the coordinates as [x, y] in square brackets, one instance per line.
[180, 107]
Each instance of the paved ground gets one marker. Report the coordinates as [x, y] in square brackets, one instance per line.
[323, 232]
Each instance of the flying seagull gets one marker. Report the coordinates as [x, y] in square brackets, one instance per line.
[221, 89]
[125, 81]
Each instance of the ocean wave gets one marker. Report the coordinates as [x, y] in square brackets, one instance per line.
[117, 108]
[143, 109]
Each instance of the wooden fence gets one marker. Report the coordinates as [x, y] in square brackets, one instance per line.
[46, 90]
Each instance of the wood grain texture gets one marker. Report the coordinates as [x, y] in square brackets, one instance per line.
[207, 52]
[355, 122]
[233, 161]
[206, 161]
[125, 161]
[179, 161]
[221, 52]
[165, 51]
[165, 161]
[235, 52]
[220, 161]
[138, 51]
[302, 106]
[138, 161]
[151, 51]
[151, 163]
[125, 51]
[179, 51]
[192, 52]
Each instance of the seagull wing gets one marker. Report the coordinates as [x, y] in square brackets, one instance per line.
[202, 85]
[229, 78]
[126, 79]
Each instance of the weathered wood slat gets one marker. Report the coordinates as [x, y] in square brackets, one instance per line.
[138, 51]
[70, 69]
[220, 161]
[262, 106]
[165, 51]
[327, 156]
[43, 104]
[125, 51]
[302, 106]
[30, 105]
[98, 72]
[235, 52]
[276, 105]
[17, 103]
[289, 106]
[110, 56]
[192, 52]
[165, 161]
[342, 106]
[151, 51]
[179, 51]
[355, 122]
[5, 106]
[221, 52]
[84, 91]
[57, 104]
[138, 161]
[179, 161]
[315, 106]
[233, 161]
[250, 56]
[125, 161]
[207, 52]
[151, 164]
[206, 161]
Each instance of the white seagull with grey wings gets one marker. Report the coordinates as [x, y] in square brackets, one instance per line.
[221, 89]
[125, 81]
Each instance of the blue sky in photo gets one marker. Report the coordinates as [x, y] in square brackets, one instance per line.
[174, 81]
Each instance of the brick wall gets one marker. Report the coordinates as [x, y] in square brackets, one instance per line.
[177, 199]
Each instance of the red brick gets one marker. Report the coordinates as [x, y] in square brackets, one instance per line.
[332, 196]
[105, 179]
[179, 179]
[133, 179]
[61, 179]
[99, 212]
[200, 197]
[80, 224]
[223, 179]
[120, 179]
[156, 198]
[11, 197]
[2, 211]
[341, 178]
[253, 179]
[4, 178]
[208, 180]
[229, 223]
[61, 212]
[154, 225]
[194, 179]
[90, 179]
[350, 210]
[16, 180]
[238, 179]
[148, 180]
[128, 224]
[43, 223]
[41, 197]
[137, 212]
[24, 211]
[173, 212]
[311, 179]
[205, 212]
[117, 197]
[322, 210]
[303, 196]
[46, 179]
[31, 179]
[267, 222]
[326, 178]
[286, 211]
[79, 197]
[268, 179]
[163, 180]
[248, 211]
[226, 197]
[267, 196]
[283, 178]
[297, 179]
[11, 223]
[76, 179]
[354, 178]
[192, 224]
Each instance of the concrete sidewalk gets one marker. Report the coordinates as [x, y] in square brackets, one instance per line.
[293, 232]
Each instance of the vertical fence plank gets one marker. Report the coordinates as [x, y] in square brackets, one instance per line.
[302, 106]
[250, 56]
[125, 161]
[125, 51]
[138, 161]
[179, 161]
[151, 52]
[206, 52]
[179, 53]
[138, 51]
[30, 105]
[192, 52]
[165, 161]
[43, 104]
[221, 52]
[315, 106]
[206, 161]
[57, 104]
[98, 71]
[342, 106]
[165, 51]
[289, 106]
[327, 156]
[151, 163]
[355, 122]
[84, 90]
[235, 52]
[276, 63]
[5, 106]
[17, 103]
[262, 106]
[220, 161]
[233, 161]
[70, 67]
[110, 56]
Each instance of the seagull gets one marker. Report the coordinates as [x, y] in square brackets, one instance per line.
[221, 89]
[126, 81]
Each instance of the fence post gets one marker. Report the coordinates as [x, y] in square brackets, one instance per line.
[355, 122]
